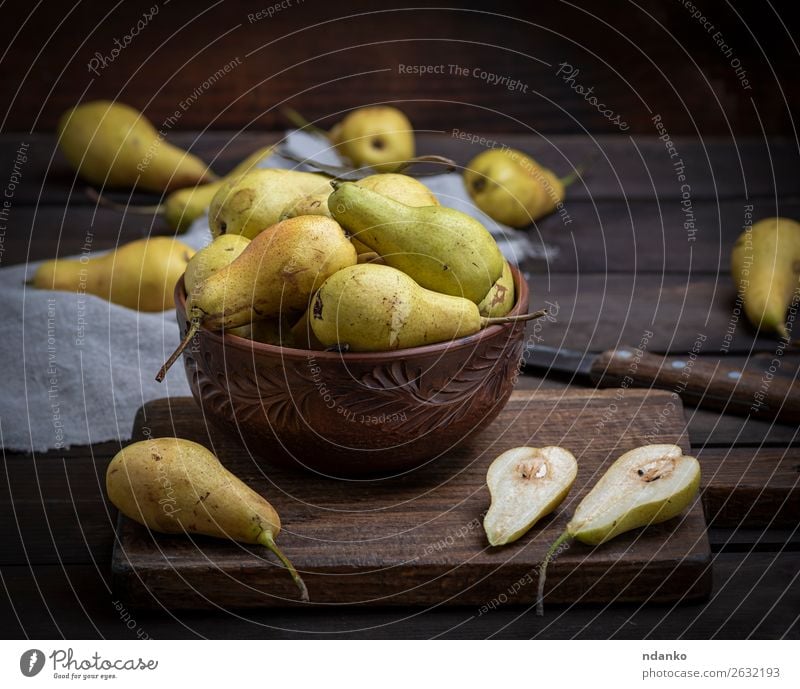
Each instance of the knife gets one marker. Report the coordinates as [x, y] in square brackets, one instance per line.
[698, 382]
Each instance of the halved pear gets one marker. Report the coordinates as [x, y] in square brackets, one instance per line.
[648, 485]
[526, 483]
[645, 486]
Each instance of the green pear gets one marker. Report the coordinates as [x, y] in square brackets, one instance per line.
[526, 484]
[276, 274]
[648, 485]
[140, 275]
[441, 248]
[111, 144]
[380, 137]
[501, 297]
[174, 486]
[256, 200]
[512, 188]
[222, 251]
[374, 308]
[402, 188]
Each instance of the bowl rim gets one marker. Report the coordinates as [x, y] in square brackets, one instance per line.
[521, 305]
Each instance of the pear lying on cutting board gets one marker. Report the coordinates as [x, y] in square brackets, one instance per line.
[276, 274]
[173, 485]
[140, 275]
[223, 251]
[526, 484]
[765, 264]
[374, 308]
[648, 485]
[441, 248]
[256, 200]
[111, 144]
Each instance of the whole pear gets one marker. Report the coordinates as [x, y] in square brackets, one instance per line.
[111, 144]
[256, 200]
[176, 486]
[222, 251]
[402, 188]
[501, 297]
[275, 275]
[511, 187]
[440, 248]
[765, 265]
[380, 137]
[140, 275]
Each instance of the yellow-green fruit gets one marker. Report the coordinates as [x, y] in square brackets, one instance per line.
[765, 265]
[140, 275]
[512, 188]
[275, 274]
[401, 188]
[184, 206]
[374, 308]
[380, 137]
[255, 201]
[176, 486]
[111, 144]
[303, 335]
[526, 484]
[440, 248]
[223, 251]
[648, 485]
[501, 297]
[271, 331]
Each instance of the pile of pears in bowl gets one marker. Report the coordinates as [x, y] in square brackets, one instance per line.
[350, 328]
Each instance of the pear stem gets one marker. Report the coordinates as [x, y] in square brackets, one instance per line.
[302, 123]
[190, 333]
[566, 536]
[101, 200]
[266, 539]
[573, 176]
[485, 322]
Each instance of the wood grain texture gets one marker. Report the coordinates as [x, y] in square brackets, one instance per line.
[324, 58]
[418, 539]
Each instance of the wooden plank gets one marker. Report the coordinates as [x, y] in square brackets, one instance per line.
[753, 597]
[622, 168]
[597, 312]
[428, 546]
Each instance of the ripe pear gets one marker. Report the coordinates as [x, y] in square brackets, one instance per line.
[174, 486]
[140, 275]
[256, 200]
[501, 297]
[111, 144]
[526, 484]
[648, 485]
[402, 188]
[375, 308]
[765, 264]
[380, 137]
[512, 188]
[441, 248]
[275, 331]
[222, 251]
[276, 274]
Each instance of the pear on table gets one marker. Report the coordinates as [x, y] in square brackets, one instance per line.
[526, 484]
[173, 486]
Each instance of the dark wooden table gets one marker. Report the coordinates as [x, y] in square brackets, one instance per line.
[624, 264]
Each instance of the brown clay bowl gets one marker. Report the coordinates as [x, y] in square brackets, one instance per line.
[354, 414]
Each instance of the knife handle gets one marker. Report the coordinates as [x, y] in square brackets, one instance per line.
[702, 383]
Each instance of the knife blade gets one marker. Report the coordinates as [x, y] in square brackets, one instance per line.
[697, 381]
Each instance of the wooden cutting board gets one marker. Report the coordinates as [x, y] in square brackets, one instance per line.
[418, 539]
